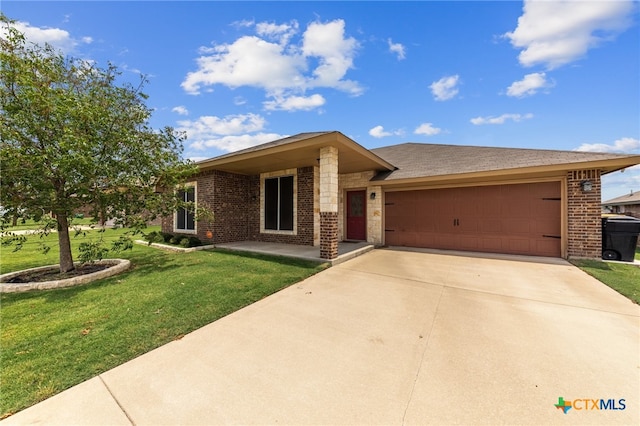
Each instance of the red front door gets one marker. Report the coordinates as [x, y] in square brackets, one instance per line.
[356, 215]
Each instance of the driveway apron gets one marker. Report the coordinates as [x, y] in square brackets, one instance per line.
[391, 337]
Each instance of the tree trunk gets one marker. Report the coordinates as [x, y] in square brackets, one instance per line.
[66, 259]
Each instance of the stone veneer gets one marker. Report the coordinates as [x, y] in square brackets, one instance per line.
[328, 202]
[583, 211]
[361, 181]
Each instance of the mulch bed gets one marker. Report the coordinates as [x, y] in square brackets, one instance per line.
[54, 274]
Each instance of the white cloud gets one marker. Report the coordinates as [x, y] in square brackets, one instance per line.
[445, 88]
[180, 110]
[207, 126]
[284, 68]
[397, 48]
[230, 133]
[244, 63]
[379, 132]
[282, 33]
[231, 143]
[623, 145]
[554, 33]
[56, 37]
[529, 85]
[335, 54]
[501, 119]
[294, 103]
[427, 129]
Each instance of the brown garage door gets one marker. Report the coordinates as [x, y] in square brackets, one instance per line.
[517, 219]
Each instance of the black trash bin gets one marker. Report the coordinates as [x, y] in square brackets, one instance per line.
[620, 237]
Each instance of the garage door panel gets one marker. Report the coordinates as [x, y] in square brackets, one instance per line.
[500, 218]
[516, 226]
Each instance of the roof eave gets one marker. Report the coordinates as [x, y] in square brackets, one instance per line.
[606, 166]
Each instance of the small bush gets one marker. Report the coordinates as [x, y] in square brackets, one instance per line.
[194, 242]
[166, 238]
[151, 237]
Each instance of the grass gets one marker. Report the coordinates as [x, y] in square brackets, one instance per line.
[52, 340]
[30, 224]
[625, 279]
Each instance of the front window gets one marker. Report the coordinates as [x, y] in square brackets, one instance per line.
[185, 216]
[278, 203]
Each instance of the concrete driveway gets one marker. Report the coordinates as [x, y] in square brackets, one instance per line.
[392, 337]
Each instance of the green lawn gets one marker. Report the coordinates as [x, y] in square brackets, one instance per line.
[30, 224]
[52, 340]
[625, 279]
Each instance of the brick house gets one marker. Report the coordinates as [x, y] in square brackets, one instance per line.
[628, 204]
[317, 189]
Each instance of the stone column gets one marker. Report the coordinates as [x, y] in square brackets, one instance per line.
[329, 202]
[374, 215]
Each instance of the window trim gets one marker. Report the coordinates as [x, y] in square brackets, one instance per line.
[194, 231]
[278, 174]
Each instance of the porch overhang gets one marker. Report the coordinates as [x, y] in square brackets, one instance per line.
[298, 151]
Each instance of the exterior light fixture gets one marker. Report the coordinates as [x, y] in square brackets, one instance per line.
[586, 185]
[372, 196]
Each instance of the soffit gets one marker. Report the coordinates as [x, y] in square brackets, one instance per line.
[298, 151]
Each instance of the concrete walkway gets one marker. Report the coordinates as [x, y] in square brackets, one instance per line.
[391, 337]
[346, 250]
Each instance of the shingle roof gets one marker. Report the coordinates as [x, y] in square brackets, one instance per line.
[632, 198]
[414, 160]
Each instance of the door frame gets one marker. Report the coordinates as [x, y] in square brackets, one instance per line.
[347, 206]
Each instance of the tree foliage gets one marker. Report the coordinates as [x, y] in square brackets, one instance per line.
[73, 136]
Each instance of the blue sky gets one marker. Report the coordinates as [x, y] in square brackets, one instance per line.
[545, 75]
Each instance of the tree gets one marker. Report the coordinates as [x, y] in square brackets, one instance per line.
[72, 137]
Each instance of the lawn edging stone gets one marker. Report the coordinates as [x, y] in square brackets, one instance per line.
[119, 265]
[175, 248]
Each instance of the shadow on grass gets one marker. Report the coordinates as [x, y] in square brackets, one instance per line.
[152, 262]
[282, 260]
[594, 264]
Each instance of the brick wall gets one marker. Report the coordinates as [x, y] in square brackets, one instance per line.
[227, 195]
[329, 235]
[584, 224]
[230, 195]
[304, 213]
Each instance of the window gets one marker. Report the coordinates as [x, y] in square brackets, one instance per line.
[278, 203]
[185, 217]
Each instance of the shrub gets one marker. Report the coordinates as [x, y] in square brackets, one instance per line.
[158, 239]
[151, 236]
[174, 240]
[166, 236]
[184, 242]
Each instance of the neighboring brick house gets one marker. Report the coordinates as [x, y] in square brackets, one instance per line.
[321, 188]
[628, 204]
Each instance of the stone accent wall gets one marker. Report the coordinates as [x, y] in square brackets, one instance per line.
[329, 237]
[374, 215]
[328, 202]
[583, 210]
[361, 180]
[329, 179]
